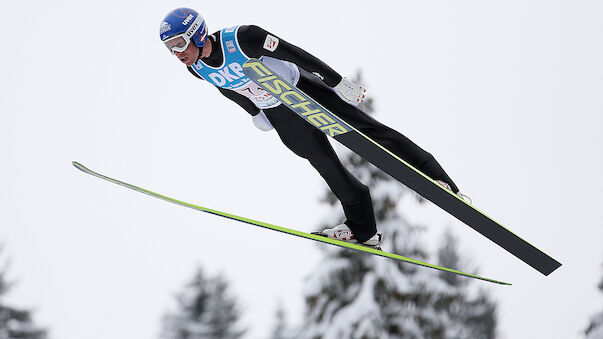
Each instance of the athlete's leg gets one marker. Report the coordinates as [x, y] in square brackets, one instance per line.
[311, 144]
[385, 136]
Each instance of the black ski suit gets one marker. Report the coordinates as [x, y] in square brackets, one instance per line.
[317, 80]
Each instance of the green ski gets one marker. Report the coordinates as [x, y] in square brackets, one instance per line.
[283, 229]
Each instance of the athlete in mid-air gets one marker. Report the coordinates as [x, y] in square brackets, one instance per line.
[218, 59]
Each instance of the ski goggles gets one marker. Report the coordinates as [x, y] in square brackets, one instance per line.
[180, 42]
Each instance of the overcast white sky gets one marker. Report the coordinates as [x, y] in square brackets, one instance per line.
[506, 94]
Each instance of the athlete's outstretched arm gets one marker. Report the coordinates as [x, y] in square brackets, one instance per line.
[256, 42]
[241, 100]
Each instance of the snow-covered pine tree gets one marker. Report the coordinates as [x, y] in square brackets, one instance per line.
[354, 295]
[595, 328]
[281, 329]
[466, 316]
[205, 310]
[15, 322]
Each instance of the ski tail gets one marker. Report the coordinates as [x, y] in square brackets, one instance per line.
[300, 234]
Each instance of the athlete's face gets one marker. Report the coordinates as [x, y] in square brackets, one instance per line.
[190, 54]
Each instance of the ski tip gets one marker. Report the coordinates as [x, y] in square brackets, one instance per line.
[78, 166]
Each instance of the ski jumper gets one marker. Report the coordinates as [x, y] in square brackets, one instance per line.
[231, 47]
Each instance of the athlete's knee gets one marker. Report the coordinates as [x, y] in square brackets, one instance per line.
[296, 145]
[299, 151]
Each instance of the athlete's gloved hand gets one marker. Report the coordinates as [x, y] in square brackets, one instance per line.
[261, 121]
[350, 92]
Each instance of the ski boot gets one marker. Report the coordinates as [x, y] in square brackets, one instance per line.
[459, 194]
[342, 232]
